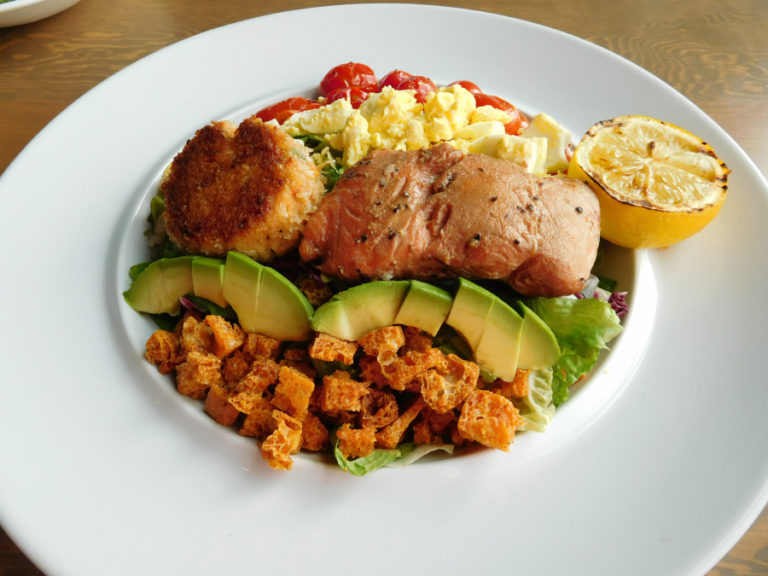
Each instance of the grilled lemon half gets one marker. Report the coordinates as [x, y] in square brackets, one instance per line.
[657, 183]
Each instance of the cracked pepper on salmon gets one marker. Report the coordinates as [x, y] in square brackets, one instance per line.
[441, 213]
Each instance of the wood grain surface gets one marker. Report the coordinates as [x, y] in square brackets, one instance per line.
[713, 51]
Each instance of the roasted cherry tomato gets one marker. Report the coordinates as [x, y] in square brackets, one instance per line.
[400, 80]
[467, 85]
[286, 108]
[421, 84]
[349, 75]
[394, 79]
[354, 94]
[518, 122]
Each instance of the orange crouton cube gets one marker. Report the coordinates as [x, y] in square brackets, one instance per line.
[416, 339]
[379, 409]
[259, 423]
[517, 388]
[356, 443]
[383, 343]
[235, 366]
[489, 419]
[331, 349]
[163, 349]
[261, 346]
[340, 392]
[197, 373]
[390, 436]
[434, 428]
[445, 387]
[293, 392]
[402, 373]
[314, 434]
[299, 359]
[284, 441]
[227, 337]
[196, 336]
[249, 389]
[218, 406]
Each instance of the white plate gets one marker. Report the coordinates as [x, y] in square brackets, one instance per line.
[18, 12]
[657, 465]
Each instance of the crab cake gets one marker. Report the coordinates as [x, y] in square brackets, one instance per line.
[248, 188]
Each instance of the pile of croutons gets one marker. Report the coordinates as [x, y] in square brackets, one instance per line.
[391, 386]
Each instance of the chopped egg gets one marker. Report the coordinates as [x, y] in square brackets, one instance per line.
[558, 138]
[327, 119]
[447, 110]
[530, 152]
[489, 113]
[395, 120]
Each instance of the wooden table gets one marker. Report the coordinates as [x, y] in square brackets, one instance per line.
[713, 51]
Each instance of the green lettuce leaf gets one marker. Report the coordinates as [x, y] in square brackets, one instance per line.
[361, 466]
[538, 407]
[410, 452]
[583, 327]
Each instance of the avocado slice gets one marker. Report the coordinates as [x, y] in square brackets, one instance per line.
[240, 288]
[538, 345]
[491, 328]
[208, 279]
[470, 310]
[499, 348]
[265, 301]
[354, 312]
[425, 307]
[282, 311]
[158, 288]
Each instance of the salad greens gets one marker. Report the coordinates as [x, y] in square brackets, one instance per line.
[405, 454]
[583, 327]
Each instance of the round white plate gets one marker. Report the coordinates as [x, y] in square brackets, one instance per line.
[18, 12]
[656, 465]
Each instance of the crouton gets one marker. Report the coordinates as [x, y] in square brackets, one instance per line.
[434, 428]
[259, 423]
[517, 388]
[235, 366]
[293, 392]
[356, 443]
[261, 346]
[226, 337]
[331, 349]
[390, 436]
[163, 349]
[197, 373]
[340, 392]
[196, 336]
[445, 387]
[284, 441]
[402, 373]
[314, 434]
[489, 419]
[264, 372]
[416, 340]
[379, 408]
[299, 359]
[383, 343]
[218, 406]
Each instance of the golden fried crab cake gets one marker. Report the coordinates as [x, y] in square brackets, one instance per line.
[248, 188]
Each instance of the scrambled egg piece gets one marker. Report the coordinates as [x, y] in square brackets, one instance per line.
[558, 138]
[395, 120]
[327, 119]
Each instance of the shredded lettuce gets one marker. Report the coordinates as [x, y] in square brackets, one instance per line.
[583, 327]
[410, 452]
[538, 408]
[405, 454]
